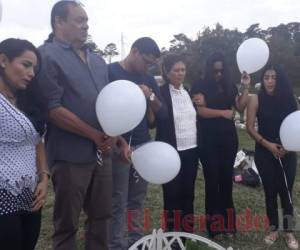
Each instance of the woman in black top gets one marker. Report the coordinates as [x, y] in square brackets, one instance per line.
[273, 103]
[215, 98]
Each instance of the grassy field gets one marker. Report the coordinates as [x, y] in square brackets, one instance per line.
[244, 198]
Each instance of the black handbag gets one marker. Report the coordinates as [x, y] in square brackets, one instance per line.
[250, 178]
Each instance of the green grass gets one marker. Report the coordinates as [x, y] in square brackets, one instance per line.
[244, 198]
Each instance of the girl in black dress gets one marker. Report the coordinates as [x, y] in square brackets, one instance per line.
[272, 104]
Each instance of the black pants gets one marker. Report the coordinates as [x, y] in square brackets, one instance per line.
[274, 184]
[179, 194]
[218, 159]
[19, 232]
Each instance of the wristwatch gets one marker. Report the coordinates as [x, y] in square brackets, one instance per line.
[152, 97]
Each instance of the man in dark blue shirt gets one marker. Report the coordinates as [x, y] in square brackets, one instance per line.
[129, 189]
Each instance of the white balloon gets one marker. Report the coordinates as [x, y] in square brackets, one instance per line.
[120, 107]
[157, 162]
[290, 132]
[252, 55]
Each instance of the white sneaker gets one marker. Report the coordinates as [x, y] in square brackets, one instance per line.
[291, 241]
[271, 238]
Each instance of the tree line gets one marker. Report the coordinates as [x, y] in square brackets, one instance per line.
[283, 41]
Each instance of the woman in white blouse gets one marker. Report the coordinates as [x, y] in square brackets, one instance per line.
[179, 130]
[23, 168]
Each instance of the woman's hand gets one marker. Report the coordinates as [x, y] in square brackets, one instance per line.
[40, 194]
[277, 150]
[198, 100]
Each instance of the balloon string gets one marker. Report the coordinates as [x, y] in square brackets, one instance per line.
[136, 176]
[285, 180]
[130, 139]
[135, 173]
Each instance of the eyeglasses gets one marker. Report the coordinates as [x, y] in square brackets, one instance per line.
[149, 59]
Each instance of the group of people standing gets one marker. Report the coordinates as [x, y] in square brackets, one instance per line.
[49, 94]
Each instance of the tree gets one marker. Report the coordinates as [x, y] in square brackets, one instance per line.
[283, 41]
[283, 49]
[220, 40]
[255, 31]
[110, 51]
[180, 43]
[207, 42]
[93, 46]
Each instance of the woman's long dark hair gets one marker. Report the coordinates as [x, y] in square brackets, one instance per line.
[26, 100]
[225, 82]
[283, 89]
[13, 47]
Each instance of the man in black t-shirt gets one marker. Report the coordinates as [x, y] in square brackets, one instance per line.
[129, 190]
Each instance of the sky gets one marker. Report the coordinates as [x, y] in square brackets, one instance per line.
[159, 19]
